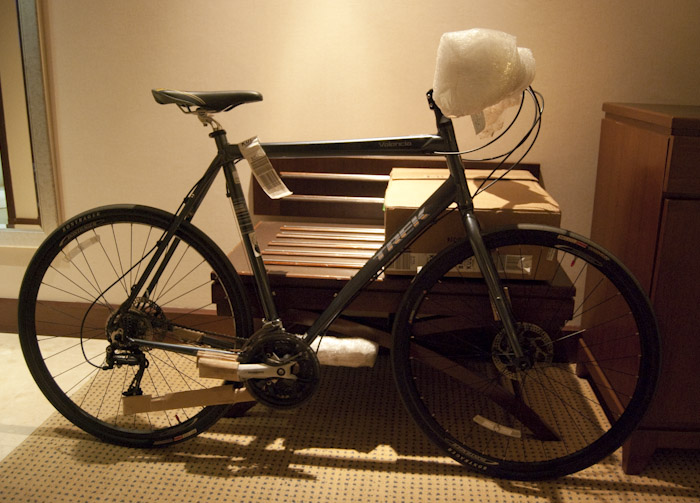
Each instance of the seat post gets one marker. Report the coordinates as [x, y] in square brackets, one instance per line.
[208, 120]
[220, 139]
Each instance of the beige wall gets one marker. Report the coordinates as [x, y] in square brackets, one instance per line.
[332, 69]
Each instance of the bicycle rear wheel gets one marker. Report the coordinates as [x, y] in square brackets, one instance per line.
[74, 285]
[590, 340]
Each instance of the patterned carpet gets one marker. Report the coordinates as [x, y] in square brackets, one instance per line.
[352, 442]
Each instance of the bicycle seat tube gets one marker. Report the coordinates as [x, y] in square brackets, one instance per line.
[245, 224]
[473, 230]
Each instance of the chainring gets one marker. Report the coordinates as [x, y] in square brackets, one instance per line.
[279, 348]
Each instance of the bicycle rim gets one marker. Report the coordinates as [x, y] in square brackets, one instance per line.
[589, 337]
[72, 289]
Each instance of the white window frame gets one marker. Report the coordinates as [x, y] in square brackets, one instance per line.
[38, 131]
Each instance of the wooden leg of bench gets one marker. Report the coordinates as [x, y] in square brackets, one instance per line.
[239, 409]
[637, 451]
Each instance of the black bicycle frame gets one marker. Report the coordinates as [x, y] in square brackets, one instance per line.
[454, 189]
[419, 221]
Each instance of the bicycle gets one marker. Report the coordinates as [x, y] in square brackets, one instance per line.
[507, 386]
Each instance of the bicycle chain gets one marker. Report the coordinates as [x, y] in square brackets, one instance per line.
[172, 333]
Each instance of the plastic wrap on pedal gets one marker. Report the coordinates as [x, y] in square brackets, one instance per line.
[345, 352]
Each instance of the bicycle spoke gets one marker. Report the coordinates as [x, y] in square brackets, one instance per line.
[80, 332]
[581, 340]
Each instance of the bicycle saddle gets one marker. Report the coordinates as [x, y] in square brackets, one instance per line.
[212, 101]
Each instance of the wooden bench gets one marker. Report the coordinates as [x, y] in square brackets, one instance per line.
[314, 241]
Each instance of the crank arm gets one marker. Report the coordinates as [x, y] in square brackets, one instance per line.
[262, 371]
[228, 368]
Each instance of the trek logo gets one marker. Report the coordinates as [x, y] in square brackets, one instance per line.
[401, 235]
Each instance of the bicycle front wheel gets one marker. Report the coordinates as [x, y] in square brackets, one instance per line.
[591, 355]
[72, 290]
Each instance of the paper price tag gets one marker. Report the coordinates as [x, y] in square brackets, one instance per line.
[262, 169]
[479, 122]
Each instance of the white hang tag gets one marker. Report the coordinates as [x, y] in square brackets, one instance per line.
[479, 122]
[264, 173]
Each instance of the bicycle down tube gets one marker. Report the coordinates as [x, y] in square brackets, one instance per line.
[411, 145]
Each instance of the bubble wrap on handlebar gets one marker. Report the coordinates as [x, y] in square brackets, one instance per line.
[479, 68]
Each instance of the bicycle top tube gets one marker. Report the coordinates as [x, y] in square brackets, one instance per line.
[417, 145]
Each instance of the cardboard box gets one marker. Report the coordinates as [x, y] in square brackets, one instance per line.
[517, 198]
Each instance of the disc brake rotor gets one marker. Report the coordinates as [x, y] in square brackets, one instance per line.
[535, 343]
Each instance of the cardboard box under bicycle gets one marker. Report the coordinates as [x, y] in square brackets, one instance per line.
[517, 198]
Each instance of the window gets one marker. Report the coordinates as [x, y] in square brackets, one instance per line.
[37, 128]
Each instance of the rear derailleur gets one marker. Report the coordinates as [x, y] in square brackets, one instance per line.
[145, 320]
[131, 356]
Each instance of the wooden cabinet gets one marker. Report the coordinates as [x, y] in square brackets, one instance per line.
[647, 212]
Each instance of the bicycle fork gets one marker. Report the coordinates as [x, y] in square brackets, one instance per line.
[497, 293]
[488, 269]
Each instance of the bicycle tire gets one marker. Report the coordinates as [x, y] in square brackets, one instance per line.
[593, 363]
[75, 282]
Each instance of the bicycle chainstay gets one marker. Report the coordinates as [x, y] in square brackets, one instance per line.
[211, 338]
